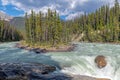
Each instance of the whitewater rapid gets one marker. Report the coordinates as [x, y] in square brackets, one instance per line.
[78, 62]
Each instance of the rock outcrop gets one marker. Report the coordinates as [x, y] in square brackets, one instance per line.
[28, 71]
[25, 71]
[100, 61]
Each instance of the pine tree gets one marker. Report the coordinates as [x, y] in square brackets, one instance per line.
[27, 28]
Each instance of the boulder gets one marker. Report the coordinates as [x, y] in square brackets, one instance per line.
[30, 71]
[100, 61]
[38, 50]
[43, 50]
[24, 71]
[48, 69]
[2, 75]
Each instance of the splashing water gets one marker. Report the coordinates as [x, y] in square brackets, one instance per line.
[78, 62]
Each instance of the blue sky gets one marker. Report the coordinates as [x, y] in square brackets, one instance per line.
[67, 9]
[11, 10]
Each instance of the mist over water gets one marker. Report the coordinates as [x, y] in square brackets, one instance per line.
[78, 62]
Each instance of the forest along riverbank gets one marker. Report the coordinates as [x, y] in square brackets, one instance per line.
[64, 48]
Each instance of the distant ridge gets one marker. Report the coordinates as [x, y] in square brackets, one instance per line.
[18, 22]
[4, 16]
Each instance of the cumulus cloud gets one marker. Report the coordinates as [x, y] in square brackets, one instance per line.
[16, 8]
[74, 15]
[67, 8]
[5, 2]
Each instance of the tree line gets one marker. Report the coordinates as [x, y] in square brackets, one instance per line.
[46, 29]
[8, 33]
[103, 25]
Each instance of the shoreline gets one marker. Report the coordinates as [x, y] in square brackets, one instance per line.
[115, 43]
[64, 48]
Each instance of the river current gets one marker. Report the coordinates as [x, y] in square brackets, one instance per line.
[78, 62]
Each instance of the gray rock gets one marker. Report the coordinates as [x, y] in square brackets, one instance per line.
[23, 71]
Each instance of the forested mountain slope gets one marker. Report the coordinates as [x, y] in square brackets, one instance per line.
[18, 22]
[8, 33]
[103, 25]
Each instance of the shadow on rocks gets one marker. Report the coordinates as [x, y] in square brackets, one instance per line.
[28, 71]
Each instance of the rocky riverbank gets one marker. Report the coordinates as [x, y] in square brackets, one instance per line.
[65, 48]
[23, 71]
[27, 71]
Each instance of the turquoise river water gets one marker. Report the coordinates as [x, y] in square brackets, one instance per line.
[78, 62]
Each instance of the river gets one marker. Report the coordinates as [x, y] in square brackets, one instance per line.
[78, 62]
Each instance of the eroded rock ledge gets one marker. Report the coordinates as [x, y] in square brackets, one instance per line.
[27, 71]
[23, 71]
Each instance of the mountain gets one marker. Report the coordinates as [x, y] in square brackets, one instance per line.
[18, 22]
[4, 16]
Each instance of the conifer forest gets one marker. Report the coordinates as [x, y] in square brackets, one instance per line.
[103, 25]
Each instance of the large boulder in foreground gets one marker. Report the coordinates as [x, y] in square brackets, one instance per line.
[100, 61]
[24, 71]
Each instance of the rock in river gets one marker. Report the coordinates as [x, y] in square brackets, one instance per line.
[38, 50]
[24, 71]
[28, 71]
[100, 61]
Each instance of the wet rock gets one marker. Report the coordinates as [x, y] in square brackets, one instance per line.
[100, 61]
[19, 72]
[43, 50]
[34, 49]
[50, 68]
[38, 50]
[20, 46]
[2, 75]
[60, 77]
[24, 71]
[0, 68]
[34, 76]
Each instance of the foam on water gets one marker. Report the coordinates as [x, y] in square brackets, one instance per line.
[78, 62]
[81, 61]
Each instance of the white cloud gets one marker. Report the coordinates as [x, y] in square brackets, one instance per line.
[16, 8]
[74, 15]
[64, 7]
[5, 2]
[2, 12]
